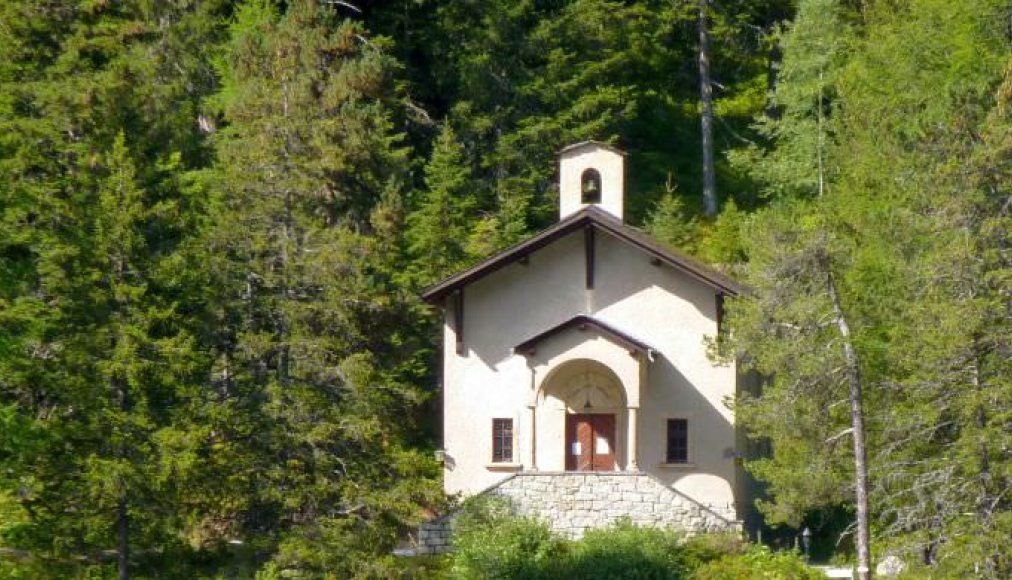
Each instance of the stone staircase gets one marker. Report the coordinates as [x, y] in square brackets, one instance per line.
[574, 502]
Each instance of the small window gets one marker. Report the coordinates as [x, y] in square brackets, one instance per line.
[678, 441]
[502, 440]
[590, 186]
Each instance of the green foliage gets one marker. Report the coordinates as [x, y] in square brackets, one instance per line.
[124, 302]
[628, 551]
[309, 421]
[214, 217]
[698, 550]
[438, 228]
[802, 123]
[518, 81]
[907, 87]
[724, 243]
[490, 542]
[758, 563]
[783, 327]
[669, 224]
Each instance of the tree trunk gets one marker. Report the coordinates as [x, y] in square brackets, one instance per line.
[984, 503]
[853, 372]
[776, 55]
[284, 325]
[819, 139]
[122, 513]
[987, 499]
[123, 537]
[706, 96]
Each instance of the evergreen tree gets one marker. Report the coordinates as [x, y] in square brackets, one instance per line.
[212, 358]
[802, 125]
[439, 227]
[518, 81]
[669, 224]
[901, 228]
[310, 415]
[94, 122]
[799, 330]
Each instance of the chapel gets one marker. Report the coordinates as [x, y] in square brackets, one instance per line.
[575, 376]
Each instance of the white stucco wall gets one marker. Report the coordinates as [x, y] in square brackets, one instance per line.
[659, 305]
[610, 165]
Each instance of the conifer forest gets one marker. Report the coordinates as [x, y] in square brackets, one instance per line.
[216, 217]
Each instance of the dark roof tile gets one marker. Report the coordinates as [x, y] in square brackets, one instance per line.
[589, 216]
[582, 321]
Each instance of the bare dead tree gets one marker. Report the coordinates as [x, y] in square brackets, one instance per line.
[853, 373]
[706, 121]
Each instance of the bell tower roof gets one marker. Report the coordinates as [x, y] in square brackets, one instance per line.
[591, 173]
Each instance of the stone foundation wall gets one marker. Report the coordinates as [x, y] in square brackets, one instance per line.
[434, 536]
[573, 503]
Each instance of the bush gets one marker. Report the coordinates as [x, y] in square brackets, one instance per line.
[759, 563]
[626, 551]
[699, 550]
[490, 543]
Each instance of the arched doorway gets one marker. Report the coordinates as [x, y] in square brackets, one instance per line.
[582, 405]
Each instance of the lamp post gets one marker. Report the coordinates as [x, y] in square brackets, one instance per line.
[806, 541]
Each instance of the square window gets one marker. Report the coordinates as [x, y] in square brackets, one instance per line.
[502, 440]
[678, 441]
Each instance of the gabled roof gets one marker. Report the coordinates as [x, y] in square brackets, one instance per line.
[583, 322]
[589, 216]
[583, 144]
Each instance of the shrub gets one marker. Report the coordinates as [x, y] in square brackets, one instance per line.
[759, 563]
[627, 551]
[491, 543]
[699, 550]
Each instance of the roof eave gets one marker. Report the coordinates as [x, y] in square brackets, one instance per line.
[583, 321]
[587, 216]
[438, 291]
[589, 143]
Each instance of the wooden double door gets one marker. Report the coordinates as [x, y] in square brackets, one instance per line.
[590, 442]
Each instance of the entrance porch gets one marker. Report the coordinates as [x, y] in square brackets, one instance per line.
[586, 383]
[583, 421]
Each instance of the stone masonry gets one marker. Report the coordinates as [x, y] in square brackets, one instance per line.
[434, 536]
[573, 503]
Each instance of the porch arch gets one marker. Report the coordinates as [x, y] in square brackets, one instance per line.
[581, 386]
[583, 376]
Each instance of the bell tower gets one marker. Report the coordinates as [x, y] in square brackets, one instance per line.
[591, 173]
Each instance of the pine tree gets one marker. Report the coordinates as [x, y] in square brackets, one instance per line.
[798, 329]
[945, 378]
[95, 123]
[906, 253]
[520, 81]
[814, 47]
[438, 229]
[668, 223]
[310, 414]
